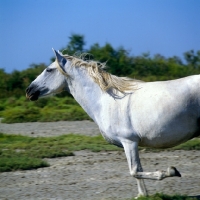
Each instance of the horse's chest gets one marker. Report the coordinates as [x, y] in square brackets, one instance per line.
[111, 140]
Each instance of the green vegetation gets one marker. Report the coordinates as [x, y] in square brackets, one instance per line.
[18, 162]
[160, 196]
[193, 144]
[147, 67]
[15, 110]
[22, 152]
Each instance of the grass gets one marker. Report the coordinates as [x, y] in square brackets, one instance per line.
[19, 152]
[16, 162]
[160, 196]
[193, 144]
[22, 152]
[189, 145]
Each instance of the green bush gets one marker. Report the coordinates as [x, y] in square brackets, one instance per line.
[20, 114]
[15, 110]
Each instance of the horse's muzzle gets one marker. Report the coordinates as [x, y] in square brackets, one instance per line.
[32, 93]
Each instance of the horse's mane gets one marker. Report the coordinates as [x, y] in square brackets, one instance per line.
[105, 80]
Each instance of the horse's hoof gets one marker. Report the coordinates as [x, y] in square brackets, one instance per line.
[172, 171]
[140, 195]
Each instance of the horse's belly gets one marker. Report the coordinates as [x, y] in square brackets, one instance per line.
[169, 129]
[167, 139]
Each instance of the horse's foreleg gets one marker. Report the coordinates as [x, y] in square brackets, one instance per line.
[158, 175]
[131, 151]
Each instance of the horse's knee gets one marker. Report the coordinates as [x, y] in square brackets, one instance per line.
[133, 172]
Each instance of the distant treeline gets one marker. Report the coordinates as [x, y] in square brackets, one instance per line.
[119, 61]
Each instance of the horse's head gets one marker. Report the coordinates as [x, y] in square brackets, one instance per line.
[51, 81]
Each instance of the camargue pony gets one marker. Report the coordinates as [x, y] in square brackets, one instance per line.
[129, 113]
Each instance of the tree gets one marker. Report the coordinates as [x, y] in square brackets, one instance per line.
[4, 77]
[192, 58]
[75, 45]
[117, 60]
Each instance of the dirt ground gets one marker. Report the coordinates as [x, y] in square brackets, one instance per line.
[94, 176]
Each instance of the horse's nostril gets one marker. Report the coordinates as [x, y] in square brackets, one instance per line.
[32, 92]
[27, 89]
[31, 88]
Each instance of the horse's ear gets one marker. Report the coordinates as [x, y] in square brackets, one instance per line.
[60, 59]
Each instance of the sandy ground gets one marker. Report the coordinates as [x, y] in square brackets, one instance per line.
[94, 176]
[47, 129]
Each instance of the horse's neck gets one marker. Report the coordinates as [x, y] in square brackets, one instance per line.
[86, 92]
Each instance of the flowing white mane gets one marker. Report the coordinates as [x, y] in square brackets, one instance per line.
[104, 79]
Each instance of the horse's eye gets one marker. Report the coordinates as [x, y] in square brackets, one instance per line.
[49, 69]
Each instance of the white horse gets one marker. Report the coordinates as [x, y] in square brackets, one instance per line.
[129, 113]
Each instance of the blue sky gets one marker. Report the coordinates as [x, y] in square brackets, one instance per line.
[30, 28]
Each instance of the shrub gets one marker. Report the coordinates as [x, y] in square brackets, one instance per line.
[15, 110]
